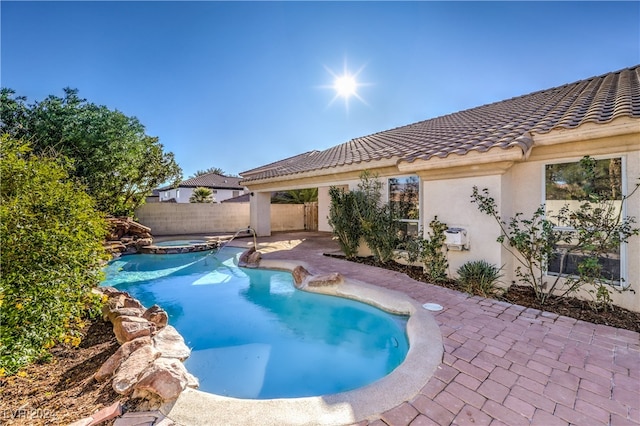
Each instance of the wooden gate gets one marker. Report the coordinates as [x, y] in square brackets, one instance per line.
[311, 216]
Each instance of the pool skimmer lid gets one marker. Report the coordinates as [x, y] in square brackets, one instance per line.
[432, 307]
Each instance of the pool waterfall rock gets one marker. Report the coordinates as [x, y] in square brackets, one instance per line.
[148, 364]
[127, 236]
[250, 258]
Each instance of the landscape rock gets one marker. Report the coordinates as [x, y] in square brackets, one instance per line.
[156, 315]
[127, 328]
[127, 375]
[171, 344]
[299, 275]
[112, 364]
[243, 260]
[112, 314]
[127, 236]
[326, 280]
[254, 259]
[165, 378]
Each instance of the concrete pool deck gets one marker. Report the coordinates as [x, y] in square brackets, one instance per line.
[503, 364]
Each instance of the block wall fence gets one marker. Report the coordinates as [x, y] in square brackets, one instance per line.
[193, 218]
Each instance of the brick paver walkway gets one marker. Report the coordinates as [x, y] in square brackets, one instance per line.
[503, 364]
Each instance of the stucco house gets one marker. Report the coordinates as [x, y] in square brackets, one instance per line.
[222, 187]
[508, 147]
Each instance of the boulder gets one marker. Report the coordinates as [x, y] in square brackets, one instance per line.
[112, 314]
[326, 280]
[143, 242]
[244, 257]
[254, 260]
[126, 377]
[126, 236]
[112, 364]
[156, 315]
[299, 275]
[171, 344]
[166, 378]
[127, 328]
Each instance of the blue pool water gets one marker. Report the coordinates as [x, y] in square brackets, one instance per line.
[253, 335]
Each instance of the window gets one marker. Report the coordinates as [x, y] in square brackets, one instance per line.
[570, 184]
[404, 200]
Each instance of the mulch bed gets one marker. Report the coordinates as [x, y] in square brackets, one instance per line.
[62, 390]
[524, 296]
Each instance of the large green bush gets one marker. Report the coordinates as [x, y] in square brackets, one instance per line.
[360, 215]
[51, 255]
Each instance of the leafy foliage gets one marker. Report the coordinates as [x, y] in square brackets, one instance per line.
[296, 196]
[344, 220]
[589, 234]
[215, 170]
[359, 214]
[51, 254]
[479, 278]
[378, 221]
[430, 251]
[114, 159]
[201, 195]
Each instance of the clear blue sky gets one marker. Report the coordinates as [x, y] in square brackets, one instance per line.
[237, 85]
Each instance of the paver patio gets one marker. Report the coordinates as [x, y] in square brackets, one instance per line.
[503, 364]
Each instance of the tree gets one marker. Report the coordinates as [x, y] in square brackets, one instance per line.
[296, 196]
[114, 159]
[215, 170]
[202, 195]
[51, 254]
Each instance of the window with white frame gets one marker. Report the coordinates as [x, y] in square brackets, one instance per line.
[404, 200]
[570, 184]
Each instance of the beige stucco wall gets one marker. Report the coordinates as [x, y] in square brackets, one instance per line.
[180, 218]
[450, 201]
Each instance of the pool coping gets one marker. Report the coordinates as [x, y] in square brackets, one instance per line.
[425, 353]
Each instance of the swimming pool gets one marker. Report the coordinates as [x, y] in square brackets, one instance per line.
[254, 335]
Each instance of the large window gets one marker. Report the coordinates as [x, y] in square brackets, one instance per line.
[573, 184]
[404, 199]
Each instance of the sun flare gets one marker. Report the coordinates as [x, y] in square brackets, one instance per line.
[346, 85]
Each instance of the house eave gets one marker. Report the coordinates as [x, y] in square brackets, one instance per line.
[326, 171]
[470, 159]
[618, 127]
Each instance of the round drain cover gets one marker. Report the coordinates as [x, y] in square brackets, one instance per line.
[432, 307]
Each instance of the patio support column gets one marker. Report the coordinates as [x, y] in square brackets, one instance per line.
[260, 213]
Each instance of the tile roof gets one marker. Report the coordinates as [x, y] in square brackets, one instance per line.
[210, 180]
[505, 124]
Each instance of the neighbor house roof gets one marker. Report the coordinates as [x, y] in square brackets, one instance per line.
[210, 180]
[505, 124]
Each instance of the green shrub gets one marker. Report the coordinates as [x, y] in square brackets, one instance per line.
[379, 224]
[51, 255]
[344, 220]
[479, 278]
[430, 251]
[360, 214]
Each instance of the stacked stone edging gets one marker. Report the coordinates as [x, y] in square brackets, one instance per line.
[152, 249]
[127, 236]
[149, 362]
